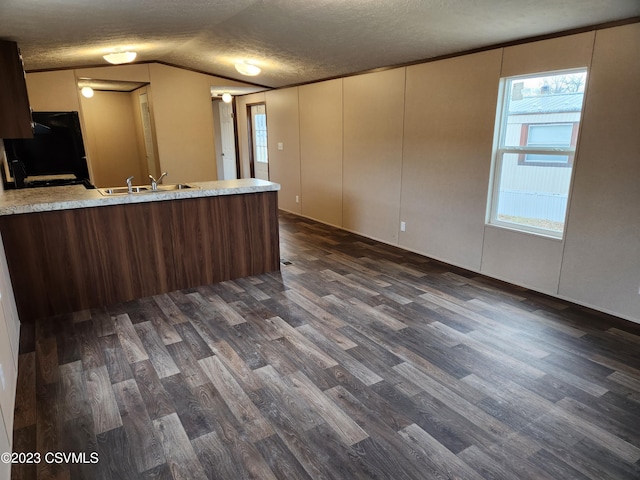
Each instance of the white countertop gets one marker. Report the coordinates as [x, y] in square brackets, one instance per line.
[44, 199]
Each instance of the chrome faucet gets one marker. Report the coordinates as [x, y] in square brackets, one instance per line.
[129, 186]
[154, 182]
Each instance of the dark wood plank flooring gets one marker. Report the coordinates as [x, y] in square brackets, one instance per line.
[356, 361]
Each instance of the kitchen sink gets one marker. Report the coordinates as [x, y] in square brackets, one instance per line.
[122, 190]
[175, 186]
[144, 189]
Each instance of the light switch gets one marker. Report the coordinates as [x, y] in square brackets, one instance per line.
[280, 146]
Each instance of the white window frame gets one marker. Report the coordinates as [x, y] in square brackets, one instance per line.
[500, 149]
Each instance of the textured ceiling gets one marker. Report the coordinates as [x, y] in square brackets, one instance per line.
[293, 41]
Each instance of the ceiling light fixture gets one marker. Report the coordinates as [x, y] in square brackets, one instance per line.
[247, 69]
[226, 97]
[87, 92]
[118, 58]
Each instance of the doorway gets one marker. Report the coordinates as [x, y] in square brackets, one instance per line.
[147, 135]
[259, 153]
[225, 132]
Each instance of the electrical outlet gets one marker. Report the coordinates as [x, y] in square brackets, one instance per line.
[403, 226]
[280, 146]
[297, 199]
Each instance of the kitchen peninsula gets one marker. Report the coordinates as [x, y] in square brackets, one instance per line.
[69, 248]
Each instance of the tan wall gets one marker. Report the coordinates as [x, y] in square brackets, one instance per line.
[450, 111]
[182, 111]
[127, 73]
[372, 163]
[573, 51]
[184, 124]
[283, 127]
[53, 91]
[450, 108]
[111, 139]
[321, 151]
[601, 263]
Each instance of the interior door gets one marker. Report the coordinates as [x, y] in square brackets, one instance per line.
[259, 150]
[147, 133]
[227, 141]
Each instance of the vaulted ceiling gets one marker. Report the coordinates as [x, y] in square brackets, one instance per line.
[292, 41]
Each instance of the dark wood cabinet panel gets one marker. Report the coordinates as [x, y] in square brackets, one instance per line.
[70, 260]
[15, 113]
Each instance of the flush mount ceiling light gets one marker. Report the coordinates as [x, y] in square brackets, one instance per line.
[247, 69]
[226, 97]
[120, 57]
[87, 92]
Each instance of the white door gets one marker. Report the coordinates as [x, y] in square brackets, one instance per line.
[227, 141]
[259, 141]
[148, 134]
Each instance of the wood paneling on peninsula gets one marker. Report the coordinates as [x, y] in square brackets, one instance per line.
[70, 260]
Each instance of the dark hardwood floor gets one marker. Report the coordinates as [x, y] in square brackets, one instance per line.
[356, 361]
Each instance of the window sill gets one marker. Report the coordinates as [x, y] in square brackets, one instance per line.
[536, 233]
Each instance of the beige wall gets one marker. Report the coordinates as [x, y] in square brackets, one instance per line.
[100, 174]
[283, 127]
[560, 53]
[447, 140]
[601, 263]
[320, 106]
[372, 164]
[111, 139]
[184, 124]
[127, 73]
[450, 109]
[182, 114]
[53, 91]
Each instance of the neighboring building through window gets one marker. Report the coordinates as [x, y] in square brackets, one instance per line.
[259, 117]
[537, 129]
[548, 135]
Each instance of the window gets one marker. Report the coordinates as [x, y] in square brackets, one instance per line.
[537, 130]
[259, 119]
[259, 151]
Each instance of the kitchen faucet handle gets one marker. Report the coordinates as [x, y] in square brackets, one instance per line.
[154, 182]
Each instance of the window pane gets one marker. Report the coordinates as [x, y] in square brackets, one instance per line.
[542, 100]
[558, 134]
[260, 133]
[540, 158]
[533, 196]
